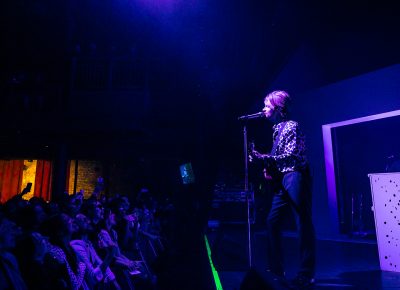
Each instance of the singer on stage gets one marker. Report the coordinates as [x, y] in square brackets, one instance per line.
[287, 167]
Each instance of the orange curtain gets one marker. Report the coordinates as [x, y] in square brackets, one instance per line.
[10, 178]
[43, 179]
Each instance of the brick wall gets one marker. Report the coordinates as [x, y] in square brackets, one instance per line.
[88, 172]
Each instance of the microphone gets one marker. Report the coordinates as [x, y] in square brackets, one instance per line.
[251, 116]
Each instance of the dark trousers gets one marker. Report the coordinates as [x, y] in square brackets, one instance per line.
[295, 192]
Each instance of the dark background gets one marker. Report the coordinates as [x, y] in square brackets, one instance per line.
[162, 82]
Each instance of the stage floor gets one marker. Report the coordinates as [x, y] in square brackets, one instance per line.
[344, 263]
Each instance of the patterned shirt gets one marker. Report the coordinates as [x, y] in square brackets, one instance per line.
[86, 254]
[76, 279]
[290, 151]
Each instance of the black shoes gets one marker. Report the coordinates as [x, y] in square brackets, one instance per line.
[302, 282]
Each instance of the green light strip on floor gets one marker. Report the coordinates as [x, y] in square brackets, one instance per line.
[218, 284]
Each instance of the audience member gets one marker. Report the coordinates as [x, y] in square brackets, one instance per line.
[98, 271]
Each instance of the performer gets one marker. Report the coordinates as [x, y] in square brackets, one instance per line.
[288, 168]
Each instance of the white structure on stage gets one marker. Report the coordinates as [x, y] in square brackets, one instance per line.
[385, 188]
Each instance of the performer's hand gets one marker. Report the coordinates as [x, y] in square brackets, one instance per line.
[250, 158]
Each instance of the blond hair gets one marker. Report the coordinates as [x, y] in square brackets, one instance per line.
[280, 100]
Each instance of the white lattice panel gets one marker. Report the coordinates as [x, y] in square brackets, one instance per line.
[385, 188]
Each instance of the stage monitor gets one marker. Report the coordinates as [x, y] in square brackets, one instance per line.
[187, 174]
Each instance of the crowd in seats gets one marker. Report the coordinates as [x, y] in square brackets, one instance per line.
[77, 243]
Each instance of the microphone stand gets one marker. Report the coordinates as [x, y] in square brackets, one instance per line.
[246, 189]
[246, 177]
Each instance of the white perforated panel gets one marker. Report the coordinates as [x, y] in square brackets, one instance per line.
[385, 188]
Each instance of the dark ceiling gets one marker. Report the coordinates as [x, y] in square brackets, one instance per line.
[204, 63]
